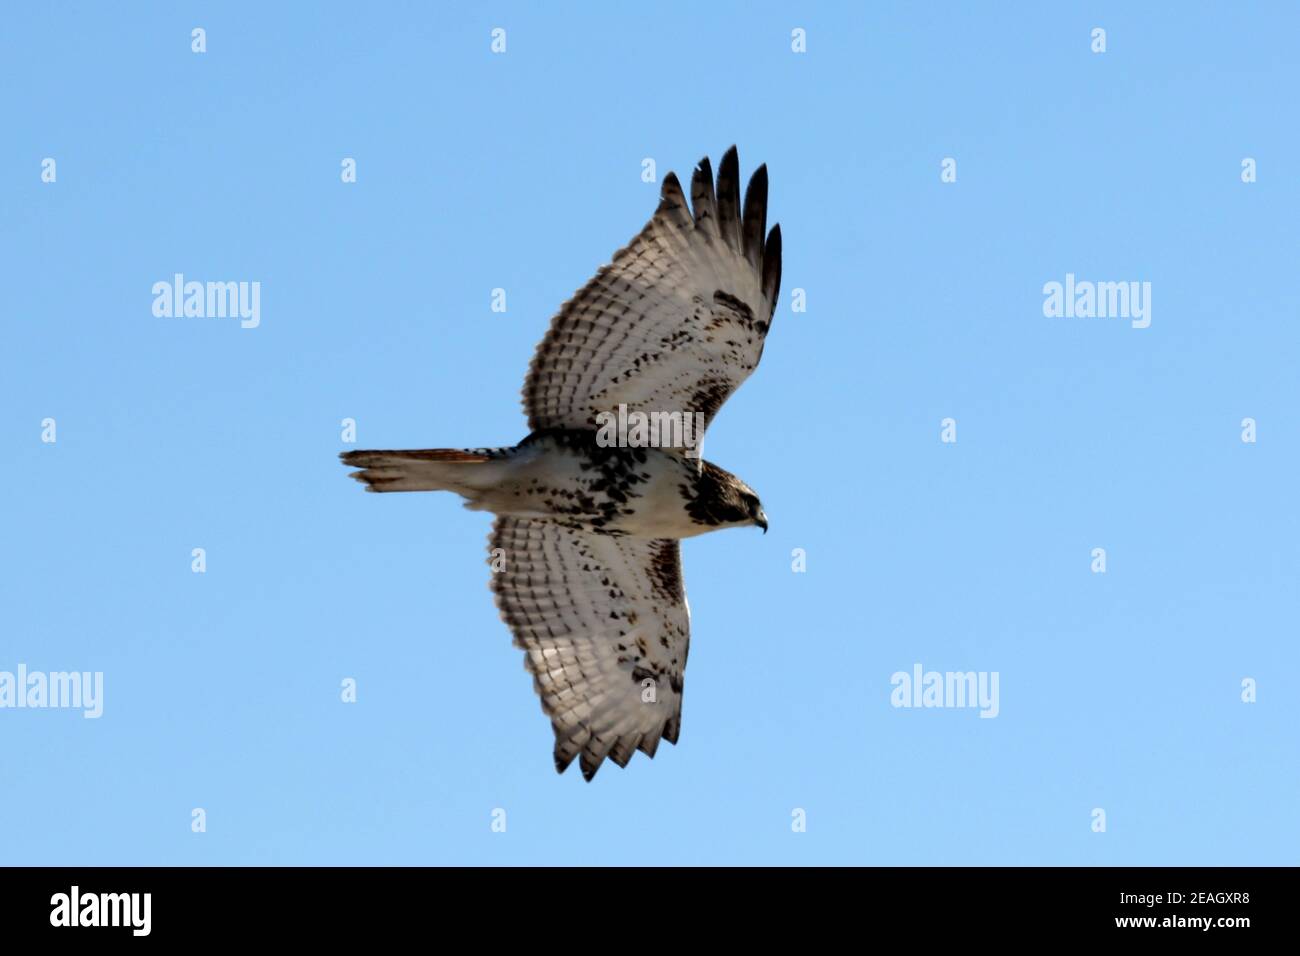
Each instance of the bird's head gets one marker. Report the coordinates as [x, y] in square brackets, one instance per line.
[754, 509]
[723, 499]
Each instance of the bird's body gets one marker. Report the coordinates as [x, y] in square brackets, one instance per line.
[567, 477]
[584, 552]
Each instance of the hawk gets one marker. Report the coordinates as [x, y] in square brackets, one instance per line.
[585, 551]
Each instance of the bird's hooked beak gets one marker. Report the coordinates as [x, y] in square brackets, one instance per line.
[761, 520]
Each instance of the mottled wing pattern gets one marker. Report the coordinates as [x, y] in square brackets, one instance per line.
[677, 321]
[604, 626]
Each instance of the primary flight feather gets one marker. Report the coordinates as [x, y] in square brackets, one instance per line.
[585, 556]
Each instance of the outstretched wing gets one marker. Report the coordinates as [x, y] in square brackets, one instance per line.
[676, 322]
[605, 627]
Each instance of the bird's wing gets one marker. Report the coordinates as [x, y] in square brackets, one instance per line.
[676, 322]
[605, 628]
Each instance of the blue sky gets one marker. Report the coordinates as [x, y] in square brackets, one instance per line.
[522, 170]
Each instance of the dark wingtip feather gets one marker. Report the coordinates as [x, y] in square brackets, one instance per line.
[729, 198]
[562, 761]
[670, 194]
[589, 767]
[754, 219]
[672, 728]
[772, 266]
[702, 201]
[622, 751]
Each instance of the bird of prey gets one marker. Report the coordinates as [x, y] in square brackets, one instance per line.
[585, 548]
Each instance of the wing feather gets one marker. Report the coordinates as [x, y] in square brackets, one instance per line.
[754, 221]
[772, 264]
[729, 198]
[702, 201]
[597, 616]
[676, 321]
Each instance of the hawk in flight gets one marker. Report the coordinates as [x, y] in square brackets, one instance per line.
[585, 549]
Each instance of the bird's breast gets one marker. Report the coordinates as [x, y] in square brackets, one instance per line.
[634, 491]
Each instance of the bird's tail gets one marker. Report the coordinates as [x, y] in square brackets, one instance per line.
[429, 469]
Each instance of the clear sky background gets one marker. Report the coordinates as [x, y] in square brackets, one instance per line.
[1119, 691]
